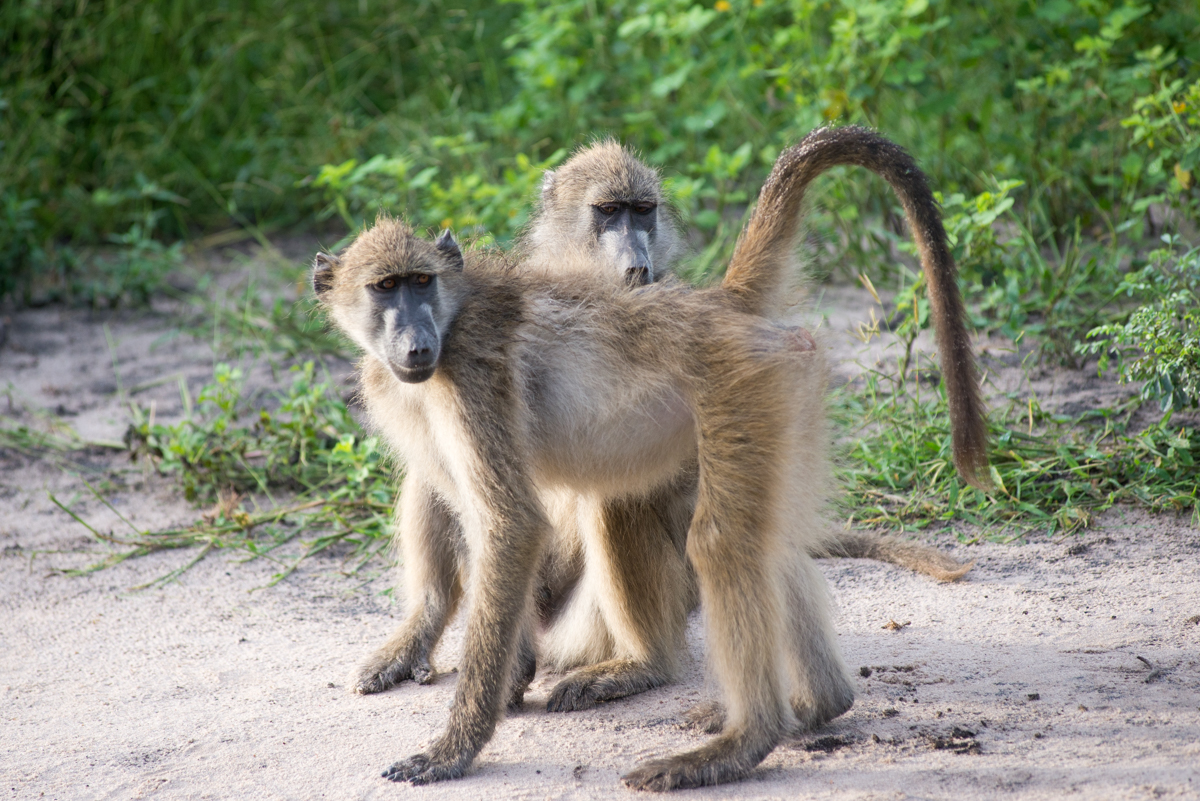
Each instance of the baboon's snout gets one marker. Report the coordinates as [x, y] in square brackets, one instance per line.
[416, 349]
[638, 276]
[413, 345]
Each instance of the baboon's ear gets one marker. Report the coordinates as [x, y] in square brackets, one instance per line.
[548, 185]
[448, 247]
[322, 277]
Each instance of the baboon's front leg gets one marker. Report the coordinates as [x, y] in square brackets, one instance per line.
[505, 529]
[428, 532]
[501, 605]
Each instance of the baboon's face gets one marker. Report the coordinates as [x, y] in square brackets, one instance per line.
[604, 204]
[624, 231]
[390, 295]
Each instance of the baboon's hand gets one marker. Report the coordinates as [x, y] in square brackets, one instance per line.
[426, 768]
[381, 672]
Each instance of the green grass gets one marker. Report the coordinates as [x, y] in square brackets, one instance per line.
[1064, 137]
[1050, 473]
[297, 458]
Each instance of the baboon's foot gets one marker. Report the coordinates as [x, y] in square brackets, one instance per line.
[427, 769]
[835, 702]
[383, 670]
[516, 697]
[523, 673]
[726, 759]
[617, 678]
[706, 716]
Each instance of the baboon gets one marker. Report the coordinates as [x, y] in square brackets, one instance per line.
[603, 211]
[499, 388]
[534, 388]
[605, 183]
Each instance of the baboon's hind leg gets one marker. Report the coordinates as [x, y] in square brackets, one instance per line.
[821, 684]
[607, 681]
[427, 532]
[640, 582]
[734, 544]
[745, 548]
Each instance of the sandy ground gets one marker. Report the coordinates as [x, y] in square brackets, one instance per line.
[1066, 668]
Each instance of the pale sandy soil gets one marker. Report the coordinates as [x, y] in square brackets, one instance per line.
[1023, 681]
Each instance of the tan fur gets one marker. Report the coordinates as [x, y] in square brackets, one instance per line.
[585, 388]
[559, 240]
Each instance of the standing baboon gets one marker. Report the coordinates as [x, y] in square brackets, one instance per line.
[614, 586]
[500, 388]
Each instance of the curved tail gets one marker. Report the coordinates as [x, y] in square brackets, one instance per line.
[765, 251]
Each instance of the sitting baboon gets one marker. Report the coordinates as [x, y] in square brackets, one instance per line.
[603, 211]
[503, 388]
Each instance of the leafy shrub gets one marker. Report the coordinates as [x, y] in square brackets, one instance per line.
[309, 442]
[1166, 140]
[359, 192]
[227, 106]
[224, 105]
[1159, 343]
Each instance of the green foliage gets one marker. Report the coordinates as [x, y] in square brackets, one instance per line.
[1159, 343]
[359, 192]
[1049, 472]
[310, 441]
[307, 456]
[229, 109]
[224, 105]
[1166, 139]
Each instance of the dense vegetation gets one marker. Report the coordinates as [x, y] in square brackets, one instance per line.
[1065, 136]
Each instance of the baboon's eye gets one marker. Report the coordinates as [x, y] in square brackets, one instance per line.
[388, 284]
[608, 209]
[644, 208]
[421, 279]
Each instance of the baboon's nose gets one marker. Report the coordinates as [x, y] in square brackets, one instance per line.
[637, 276]
[419, 356]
